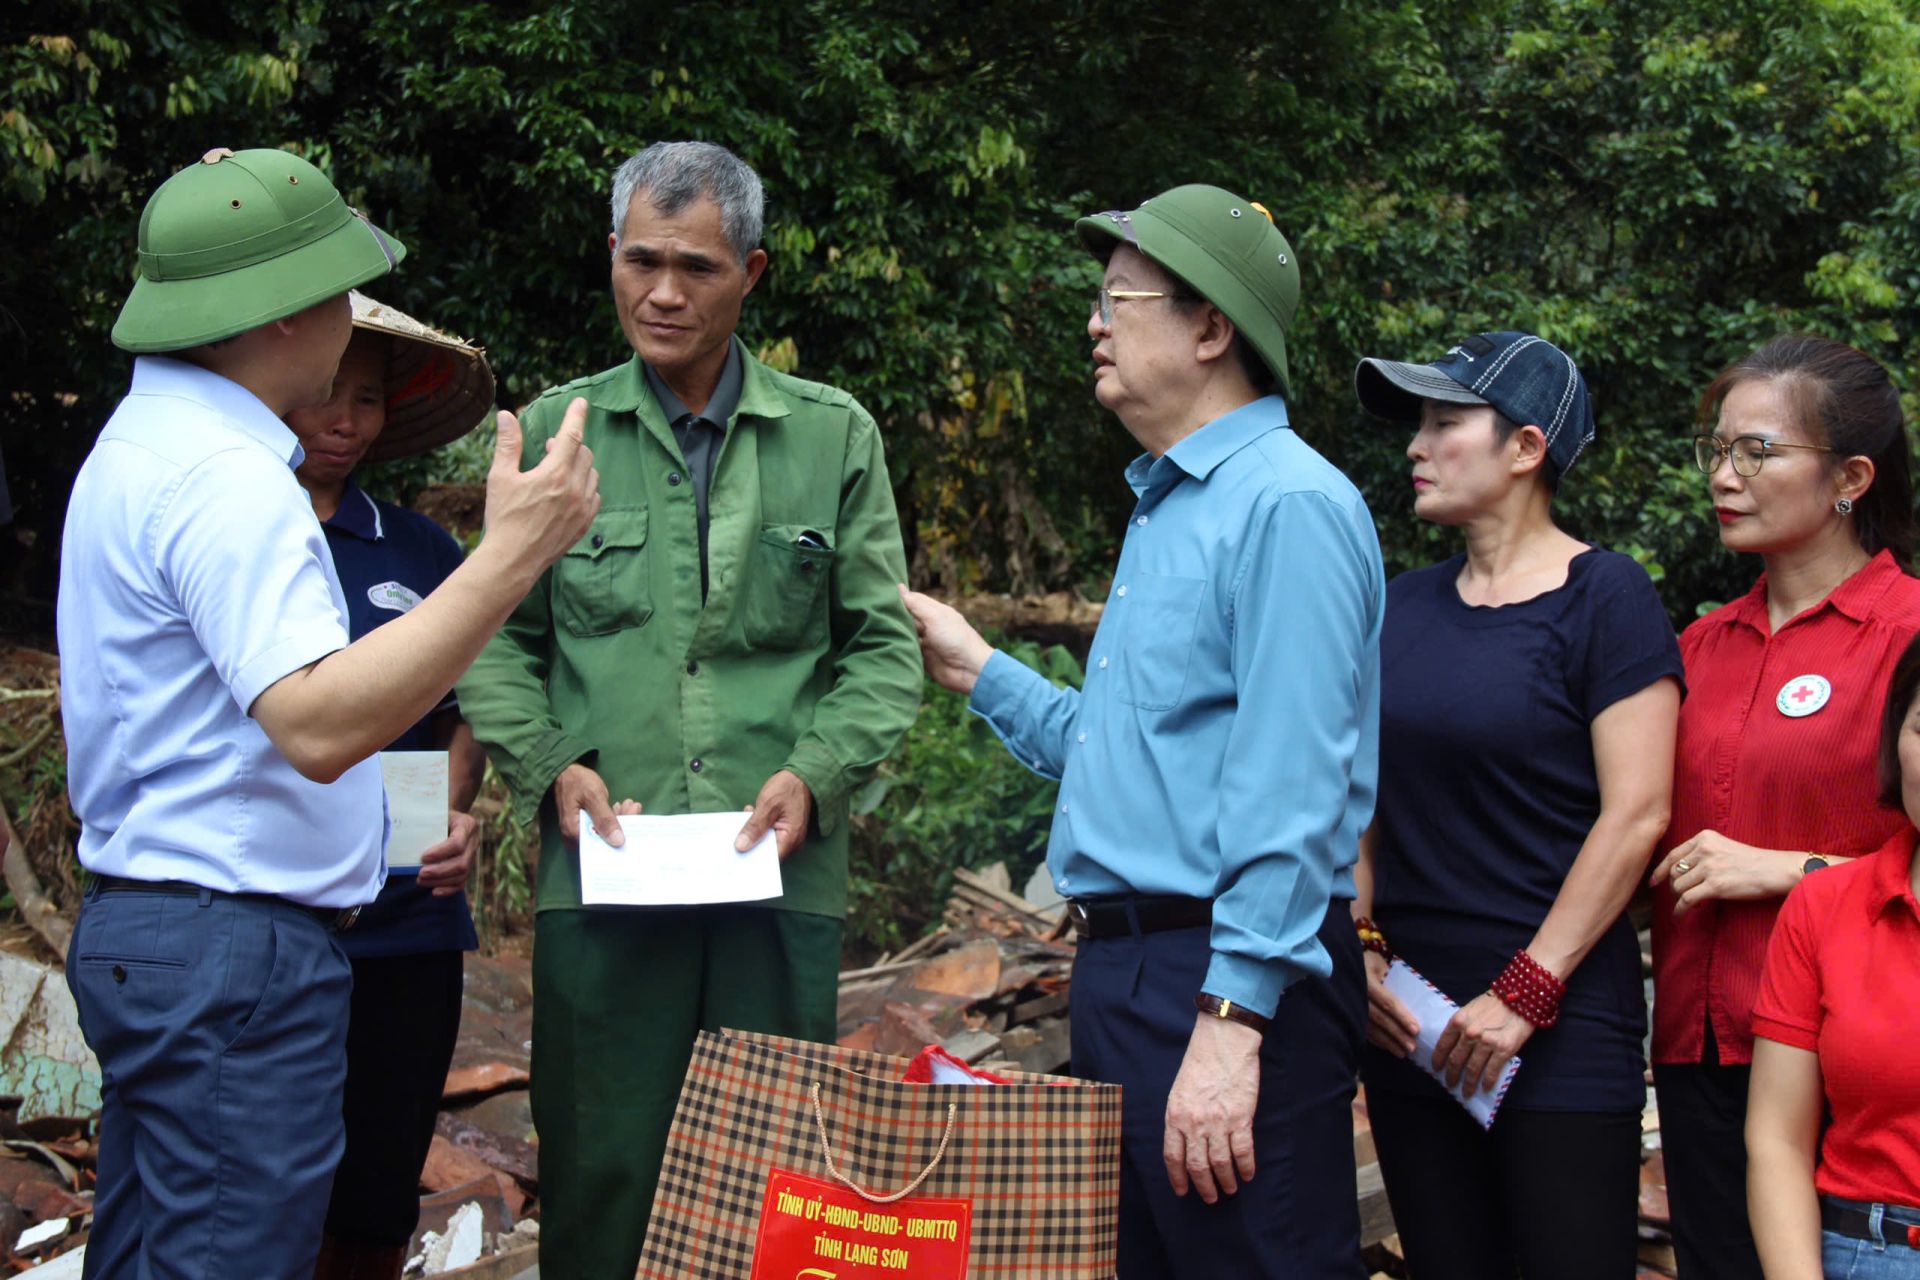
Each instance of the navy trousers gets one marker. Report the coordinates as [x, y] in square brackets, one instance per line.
[1298, 1219]
[220, 1024]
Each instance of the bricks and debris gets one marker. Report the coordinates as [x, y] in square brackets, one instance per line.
[991, 985]
[481, 1184]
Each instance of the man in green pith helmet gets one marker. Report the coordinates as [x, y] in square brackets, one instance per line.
[219, 725]
[728, 634]
[1218, 767]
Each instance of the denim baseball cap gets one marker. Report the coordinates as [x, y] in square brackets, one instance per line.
[1525, 378]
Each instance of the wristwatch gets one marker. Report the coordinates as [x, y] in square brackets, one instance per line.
[1216, 1007]
[1814, 863]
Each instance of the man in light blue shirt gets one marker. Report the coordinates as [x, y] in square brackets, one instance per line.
[1219, 765]
[220, 727]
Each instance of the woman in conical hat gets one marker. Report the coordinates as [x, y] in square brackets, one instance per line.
[402, 389]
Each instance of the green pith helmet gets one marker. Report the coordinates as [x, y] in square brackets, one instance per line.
[241, 239]
[1225, 248]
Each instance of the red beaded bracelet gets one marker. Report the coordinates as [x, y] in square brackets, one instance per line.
[1371, 939]
[1526, 987]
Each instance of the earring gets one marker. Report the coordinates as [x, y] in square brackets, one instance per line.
[1844, 506]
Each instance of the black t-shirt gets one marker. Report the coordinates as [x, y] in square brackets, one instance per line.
[1487, 792]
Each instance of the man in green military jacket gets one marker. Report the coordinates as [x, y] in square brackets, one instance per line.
[728, 633]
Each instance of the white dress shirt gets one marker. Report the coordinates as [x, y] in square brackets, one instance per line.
[193, 575]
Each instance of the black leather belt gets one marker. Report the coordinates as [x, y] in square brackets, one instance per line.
[1123, 917]
[335, 918]
[1857, 1224]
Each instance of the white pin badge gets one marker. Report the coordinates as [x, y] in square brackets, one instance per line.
[396, 596]
[1803, 695]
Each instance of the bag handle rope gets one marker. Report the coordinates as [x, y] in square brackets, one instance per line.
[826, 1149]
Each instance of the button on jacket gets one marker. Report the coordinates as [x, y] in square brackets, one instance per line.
[802, 658]
[1226, 743]
[193, 575]
[1749, 770]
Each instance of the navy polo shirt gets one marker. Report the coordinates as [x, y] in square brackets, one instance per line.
[1488, 789]
[389, 559]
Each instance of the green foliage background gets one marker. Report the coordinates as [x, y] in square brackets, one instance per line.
[1658, 185]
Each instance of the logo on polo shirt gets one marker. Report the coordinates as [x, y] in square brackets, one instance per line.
[394, 596]
[1803, 695]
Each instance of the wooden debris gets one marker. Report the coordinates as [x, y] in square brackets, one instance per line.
[974, 892]
[449, 1167]
[988, 970]
[503, 1152]
[972, 970]
[35, 907]
[467, 1084]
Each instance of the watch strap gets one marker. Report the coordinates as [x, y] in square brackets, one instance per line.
[1214, 1006]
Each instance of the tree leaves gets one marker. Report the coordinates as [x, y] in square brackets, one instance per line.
[1657, 186]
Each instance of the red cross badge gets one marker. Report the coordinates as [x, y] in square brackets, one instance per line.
[1803, 695]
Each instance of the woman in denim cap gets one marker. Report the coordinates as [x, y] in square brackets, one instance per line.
[1529, 689]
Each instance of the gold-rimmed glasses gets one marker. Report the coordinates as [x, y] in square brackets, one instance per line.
[1747, 452]
[1109, 296]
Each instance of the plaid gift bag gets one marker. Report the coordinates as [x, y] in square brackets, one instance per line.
[796, 1161]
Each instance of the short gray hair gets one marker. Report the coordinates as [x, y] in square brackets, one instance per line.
[675, 174]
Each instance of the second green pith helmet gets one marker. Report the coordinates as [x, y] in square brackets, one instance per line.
[238, 240]
[1225, 248]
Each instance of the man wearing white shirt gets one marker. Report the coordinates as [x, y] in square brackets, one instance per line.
[220, 727]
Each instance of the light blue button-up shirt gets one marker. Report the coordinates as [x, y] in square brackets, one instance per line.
[1226, 744]
[193, 575]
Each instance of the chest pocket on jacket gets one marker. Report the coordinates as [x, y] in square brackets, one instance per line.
[600, 586]
[786, 587]
[1156, 639]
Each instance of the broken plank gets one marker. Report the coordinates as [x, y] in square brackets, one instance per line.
[914, 950]
[1004, 897]
[1043, 1007]
[876, 971]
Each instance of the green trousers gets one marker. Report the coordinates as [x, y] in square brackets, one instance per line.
[618, 995]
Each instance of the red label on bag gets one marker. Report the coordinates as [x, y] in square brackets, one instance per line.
[811, 1229]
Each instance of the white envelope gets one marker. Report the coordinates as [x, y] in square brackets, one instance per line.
[1433, 1010]
[677, 861]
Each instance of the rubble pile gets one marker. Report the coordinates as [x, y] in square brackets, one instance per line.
[990, 985]
[481, 1182]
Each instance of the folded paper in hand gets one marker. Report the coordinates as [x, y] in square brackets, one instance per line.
[677, 861]
[1433, 1011]
[416, 783]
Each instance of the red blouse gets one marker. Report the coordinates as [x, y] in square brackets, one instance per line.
[1841, 972]
[1778, 748]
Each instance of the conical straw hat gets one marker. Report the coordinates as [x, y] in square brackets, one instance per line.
[438, 386]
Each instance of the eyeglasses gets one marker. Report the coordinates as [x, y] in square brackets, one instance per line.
[1747, 452]
[1109, 296]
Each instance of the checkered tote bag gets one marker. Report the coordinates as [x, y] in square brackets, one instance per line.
[796, 1161]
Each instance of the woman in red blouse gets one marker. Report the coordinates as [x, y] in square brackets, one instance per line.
[1774, 769]
[1835, 1026]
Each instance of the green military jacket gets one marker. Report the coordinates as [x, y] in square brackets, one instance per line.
[802, 658]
